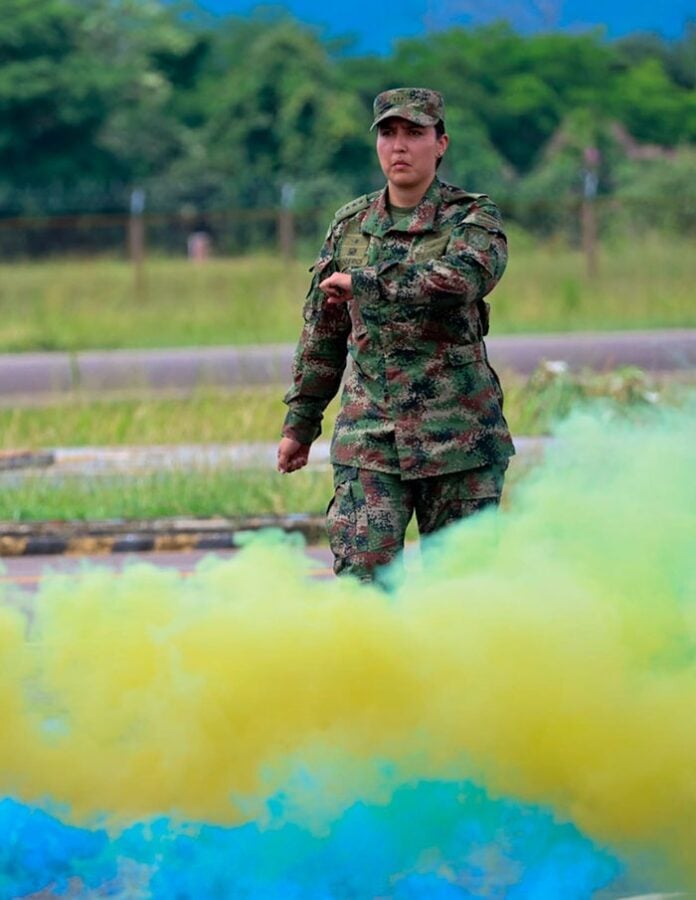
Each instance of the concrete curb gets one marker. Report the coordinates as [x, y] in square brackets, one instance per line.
[63, 462]
[137, 536]
[181, 533]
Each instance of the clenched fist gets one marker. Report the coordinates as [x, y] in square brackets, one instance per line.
[292, 455]
[337, 287]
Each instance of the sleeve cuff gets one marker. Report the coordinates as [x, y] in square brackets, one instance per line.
[300, 428]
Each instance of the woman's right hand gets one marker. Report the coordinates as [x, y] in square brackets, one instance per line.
[292, 455]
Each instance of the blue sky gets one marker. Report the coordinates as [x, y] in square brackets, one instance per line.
[377, 24]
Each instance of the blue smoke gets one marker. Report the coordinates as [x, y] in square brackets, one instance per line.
[433, 840]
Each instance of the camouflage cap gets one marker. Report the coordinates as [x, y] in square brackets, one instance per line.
[419, 105]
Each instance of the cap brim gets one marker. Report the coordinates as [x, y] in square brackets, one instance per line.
[403, 112]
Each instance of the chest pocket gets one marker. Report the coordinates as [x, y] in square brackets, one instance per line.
[353, 250]
[430, 246]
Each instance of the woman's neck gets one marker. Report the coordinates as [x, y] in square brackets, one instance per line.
[407, 196]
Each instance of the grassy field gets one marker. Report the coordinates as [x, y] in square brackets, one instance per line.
[256, 413]
[211, 492]
[205, 492]
[533, 406]
[85, 304]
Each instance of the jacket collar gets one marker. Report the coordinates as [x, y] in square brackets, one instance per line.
[378, 222]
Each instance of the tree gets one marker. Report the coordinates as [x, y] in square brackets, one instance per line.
[281, 117]
[85, 96]
[660, 193]
[55, 94]
[97, 95]
[651, 106]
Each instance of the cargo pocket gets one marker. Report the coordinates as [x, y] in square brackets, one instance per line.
[346, 515]
[473, 373]
[449, 498]
[479, 489]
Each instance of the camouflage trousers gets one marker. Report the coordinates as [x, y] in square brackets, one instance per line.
[370, 511]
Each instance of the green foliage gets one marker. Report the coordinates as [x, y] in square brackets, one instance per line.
[651, 107]
[97, 96]
[87, 98]
[534, 406]
[519, 88]
[282, 110]
[678, 58]
[660, 193]
[644, 282]
[175, 492]
[553, 391]
[54, 92]
[472, 159]
[254, 414]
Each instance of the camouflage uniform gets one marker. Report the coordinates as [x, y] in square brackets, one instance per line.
[420, 400]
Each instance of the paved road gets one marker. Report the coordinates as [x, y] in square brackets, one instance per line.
[28, 374]
[22, 575]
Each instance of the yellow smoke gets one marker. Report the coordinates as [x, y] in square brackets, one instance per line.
[547, 653]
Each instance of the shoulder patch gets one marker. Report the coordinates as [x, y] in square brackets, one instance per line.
[355, 206]
[486, 217]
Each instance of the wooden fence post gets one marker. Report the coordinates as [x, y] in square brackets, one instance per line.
[286, 221]
[136, 238]
[588, 211]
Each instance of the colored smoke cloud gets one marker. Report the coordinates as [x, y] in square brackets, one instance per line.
[513, 720]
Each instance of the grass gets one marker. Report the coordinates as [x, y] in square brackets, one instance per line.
[212, 492]
[207, 416]
[256, 413]
[209, 492]
[89, 304]
[533, 405]
[645, 283]
[92, 304]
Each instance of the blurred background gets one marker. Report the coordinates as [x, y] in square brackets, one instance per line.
[249, 127]
[168, 171]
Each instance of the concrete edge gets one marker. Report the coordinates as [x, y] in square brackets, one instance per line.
[123, 536]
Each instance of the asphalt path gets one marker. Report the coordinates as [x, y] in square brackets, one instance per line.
[26, 375]
[20, 577]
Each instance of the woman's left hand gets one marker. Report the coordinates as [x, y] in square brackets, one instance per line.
[337, 287]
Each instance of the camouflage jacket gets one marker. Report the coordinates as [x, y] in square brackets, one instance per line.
[420, 398]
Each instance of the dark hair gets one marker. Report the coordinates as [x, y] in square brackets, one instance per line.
[439, 131]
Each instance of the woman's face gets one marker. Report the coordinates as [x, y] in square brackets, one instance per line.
[408, 153]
